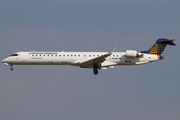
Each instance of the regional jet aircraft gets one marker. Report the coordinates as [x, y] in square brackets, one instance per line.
[95, 60]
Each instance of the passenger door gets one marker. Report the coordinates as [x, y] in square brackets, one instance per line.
[24, 56]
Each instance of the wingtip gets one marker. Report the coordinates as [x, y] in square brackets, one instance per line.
[114, 48]
[110, 52]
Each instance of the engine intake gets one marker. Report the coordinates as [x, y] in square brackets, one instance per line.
[133, 53]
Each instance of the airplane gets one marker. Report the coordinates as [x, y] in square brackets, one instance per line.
[94, 60]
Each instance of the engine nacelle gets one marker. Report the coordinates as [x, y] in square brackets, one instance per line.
[133, 53]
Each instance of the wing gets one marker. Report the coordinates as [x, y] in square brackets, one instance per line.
[96, 61]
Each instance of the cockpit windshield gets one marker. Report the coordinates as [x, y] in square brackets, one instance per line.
[14, 55]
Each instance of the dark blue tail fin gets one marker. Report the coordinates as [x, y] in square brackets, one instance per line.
[159, 46]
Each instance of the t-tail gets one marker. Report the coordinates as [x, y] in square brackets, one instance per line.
[159, 46]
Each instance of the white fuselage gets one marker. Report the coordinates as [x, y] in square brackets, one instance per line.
[95, 60]
[76, 58]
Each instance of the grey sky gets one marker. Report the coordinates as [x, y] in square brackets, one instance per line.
[145, 92]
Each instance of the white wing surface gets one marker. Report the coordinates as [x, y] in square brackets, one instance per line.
[96, 61]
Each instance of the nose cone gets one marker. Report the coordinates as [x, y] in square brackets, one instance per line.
[3, 61]
[6, 60]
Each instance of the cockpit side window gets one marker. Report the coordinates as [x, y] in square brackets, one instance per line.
[14, 55]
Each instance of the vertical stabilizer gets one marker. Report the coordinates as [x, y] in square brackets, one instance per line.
[159, 46]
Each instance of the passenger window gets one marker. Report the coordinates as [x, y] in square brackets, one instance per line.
[59, 55]
[71, 55]
[52, 55]
[78, 55]
[32, 55]
[74, 55]
[64, 55]
[84, 55]
[44, 55]
[117, 55]
[89, 55]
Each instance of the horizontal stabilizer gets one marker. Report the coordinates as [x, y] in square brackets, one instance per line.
[166, 41]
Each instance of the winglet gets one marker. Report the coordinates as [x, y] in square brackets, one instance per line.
[110, 52]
